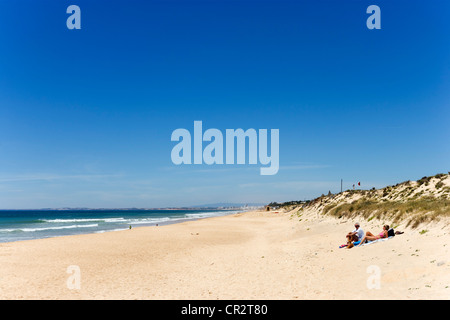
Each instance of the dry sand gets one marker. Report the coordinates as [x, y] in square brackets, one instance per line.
[253, 255]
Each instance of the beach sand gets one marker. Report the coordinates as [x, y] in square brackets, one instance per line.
[252, 255]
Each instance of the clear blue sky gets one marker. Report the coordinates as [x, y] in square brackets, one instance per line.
[86, 115]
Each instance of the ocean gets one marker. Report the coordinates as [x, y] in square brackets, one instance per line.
[17, 225]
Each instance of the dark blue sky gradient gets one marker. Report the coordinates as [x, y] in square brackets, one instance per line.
[86, 115]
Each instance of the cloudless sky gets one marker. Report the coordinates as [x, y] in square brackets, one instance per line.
[86, 115]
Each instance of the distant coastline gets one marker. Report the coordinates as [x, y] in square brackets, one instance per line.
[216, 206]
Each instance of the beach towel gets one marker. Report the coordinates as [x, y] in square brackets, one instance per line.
[365, 244]
[346, 244]
[378, 240]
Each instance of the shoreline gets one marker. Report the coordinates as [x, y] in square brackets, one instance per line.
[60, 226]
[248, 255]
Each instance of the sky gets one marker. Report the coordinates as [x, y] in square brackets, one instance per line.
[86, 115]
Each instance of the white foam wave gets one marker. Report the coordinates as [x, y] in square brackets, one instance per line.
[111, 220]
[50, 228]
[201, 215]
[149, 220]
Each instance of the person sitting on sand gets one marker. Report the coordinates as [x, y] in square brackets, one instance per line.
[356, 234]
[371, 237]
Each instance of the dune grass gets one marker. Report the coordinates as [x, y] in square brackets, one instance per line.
[413, 211]
[413, 202]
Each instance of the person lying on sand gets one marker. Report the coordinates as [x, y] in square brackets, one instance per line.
[371, 237]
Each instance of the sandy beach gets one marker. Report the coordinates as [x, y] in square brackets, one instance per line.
[253, 255]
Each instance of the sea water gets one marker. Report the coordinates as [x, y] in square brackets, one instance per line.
[16, 225]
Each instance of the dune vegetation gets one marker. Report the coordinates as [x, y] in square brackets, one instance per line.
[410, 202]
